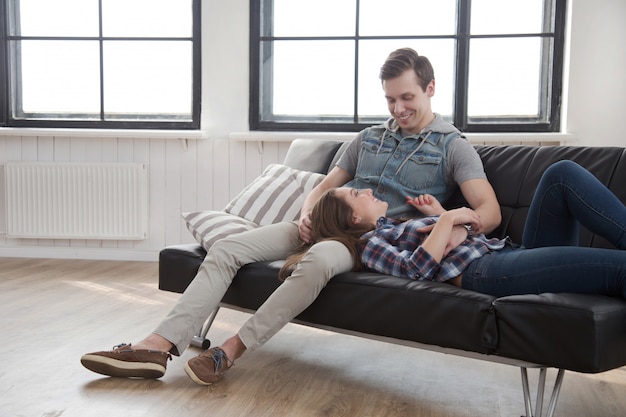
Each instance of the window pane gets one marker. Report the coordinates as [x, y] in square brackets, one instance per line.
[504, 77]
[372, 55]
[313, 18]
[57, 18]
[313, 78]
[407, 17]
[143, 18]
[147, 77]
[492, 17]
[59, 77]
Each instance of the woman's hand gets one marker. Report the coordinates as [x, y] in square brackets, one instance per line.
[304, 228]
[426, 204]
[458, 234]
[447, 233]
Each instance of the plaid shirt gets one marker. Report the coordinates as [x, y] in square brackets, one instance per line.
[394, 248]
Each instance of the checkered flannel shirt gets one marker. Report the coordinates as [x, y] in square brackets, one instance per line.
[394, 248]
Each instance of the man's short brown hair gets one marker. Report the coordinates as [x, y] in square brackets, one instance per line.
[403, 59]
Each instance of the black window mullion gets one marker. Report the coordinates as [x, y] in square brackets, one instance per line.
[545, 100]
[557, 64]
[101, 51]
[462, 63]
[255, 109]
[356, 61]
[196, 79]
[4, 67]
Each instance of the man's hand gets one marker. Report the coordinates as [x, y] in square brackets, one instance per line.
[305, 228]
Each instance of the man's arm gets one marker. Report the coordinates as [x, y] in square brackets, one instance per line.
[335, 178]
[467, 170]
[482, 198]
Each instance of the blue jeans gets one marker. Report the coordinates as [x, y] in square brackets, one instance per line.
[548, 260]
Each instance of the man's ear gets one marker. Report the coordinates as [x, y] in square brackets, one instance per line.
[430, 88]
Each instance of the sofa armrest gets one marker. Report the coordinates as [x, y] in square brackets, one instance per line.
[178, 265]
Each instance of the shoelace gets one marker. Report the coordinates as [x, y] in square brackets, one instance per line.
[218, 355]
[121, 345]
[128, 348]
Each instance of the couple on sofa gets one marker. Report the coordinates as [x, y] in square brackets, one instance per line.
[415, 153]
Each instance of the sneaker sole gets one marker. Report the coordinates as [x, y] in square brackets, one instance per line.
[116, 368]
[193, 376]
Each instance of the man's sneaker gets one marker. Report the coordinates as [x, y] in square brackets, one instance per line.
[208, 367]
[126, 362]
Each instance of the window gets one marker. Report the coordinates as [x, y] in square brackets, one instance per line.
[498, 63]
[100, 64]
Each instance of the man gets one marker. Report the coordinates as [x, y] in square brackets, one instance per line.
[415, 152]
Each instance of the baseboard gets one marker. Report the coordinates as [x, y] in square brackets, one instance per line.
[111, 254]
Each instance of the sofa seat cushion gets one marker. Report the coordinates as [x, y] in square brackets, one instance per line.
[418, 311]
[382, 305]
[579, 332]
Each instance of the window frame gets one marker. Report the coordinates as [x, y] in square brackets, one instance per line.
[552, 77]
[7, 118]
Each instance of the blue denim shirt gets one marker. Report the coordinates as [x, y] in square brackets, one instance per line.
[395, 167]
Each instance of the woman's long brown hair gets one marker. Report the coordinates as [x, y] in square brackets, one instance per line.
[331, 219]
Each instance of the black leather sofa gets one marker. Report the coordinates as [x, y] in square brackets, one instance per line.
[583, 333]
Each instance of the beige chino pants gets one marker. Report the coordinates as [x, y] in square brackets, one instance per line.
[268, 243]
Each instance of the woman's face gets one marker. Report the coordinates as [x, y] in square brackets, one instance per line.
[366, 209]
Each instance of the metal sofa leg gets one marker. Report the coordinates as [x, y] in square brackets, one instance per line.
[199, 340]
[541, 385]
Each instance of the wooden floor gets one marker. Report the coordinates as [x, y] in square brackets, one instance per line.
[53, 311]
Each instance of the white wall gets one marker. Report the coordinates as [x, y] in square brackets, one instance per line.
[596, 100]
[201, 174]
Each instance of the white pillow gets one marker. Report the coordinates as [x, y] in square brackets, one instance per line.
[207, 227]
[276, 195]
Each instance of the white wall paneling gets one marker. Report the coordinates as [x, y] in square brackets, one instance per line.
[184, 175]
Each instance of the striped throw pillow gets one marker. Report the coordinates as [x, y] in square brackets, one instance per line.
[276, 195]
[207, 227]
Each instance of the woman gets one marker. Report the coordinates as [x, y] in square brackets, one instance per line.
[547, 261]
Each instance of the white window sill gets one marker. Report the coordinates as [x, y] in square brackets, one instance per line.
[487, 138]
[104, 133]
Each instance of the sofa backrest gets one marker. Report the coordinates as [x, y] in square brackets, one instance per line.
[312, 155]
[513, 171]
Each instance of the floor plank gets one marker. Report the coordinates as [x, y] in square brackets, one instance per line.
[53, 311]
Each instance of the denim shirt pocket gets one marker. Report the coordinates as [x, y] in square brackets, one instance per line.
[373, 157]
[421, 171]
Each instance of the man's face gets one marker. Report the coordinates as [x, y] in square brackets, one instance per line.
[408, 103]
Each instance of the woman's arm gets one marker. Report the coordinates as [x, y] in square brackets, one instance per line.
[436, 244]
[383, 256]
[430, 206]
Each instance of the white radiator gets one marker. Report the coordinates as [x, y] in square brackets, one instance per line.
[71, 200]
